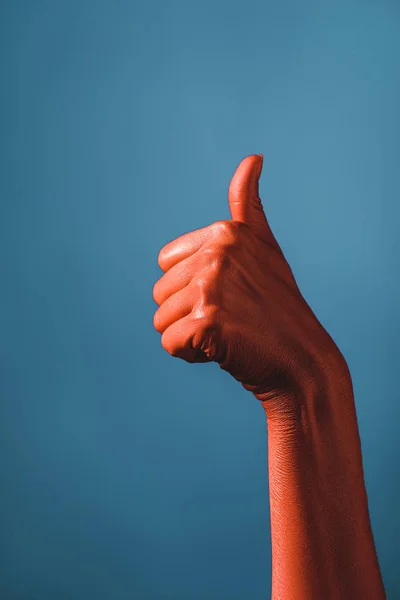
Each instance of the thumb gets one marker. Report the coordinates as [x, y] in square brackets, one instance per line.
[244, 201]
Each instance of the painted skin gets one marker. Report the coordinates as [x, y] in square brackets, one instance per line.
[228, 295]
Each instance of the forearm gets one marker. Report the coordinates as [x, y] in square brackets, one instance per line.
[322, 543]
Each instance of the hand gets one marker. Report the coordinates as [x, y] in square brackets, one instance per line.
[228, 295]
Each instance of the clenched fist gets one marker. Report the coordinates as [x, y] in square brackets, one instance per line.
[228, 295]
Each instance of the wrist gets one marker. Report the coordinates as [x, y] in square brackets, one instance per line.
[318, 385]
[319, 507]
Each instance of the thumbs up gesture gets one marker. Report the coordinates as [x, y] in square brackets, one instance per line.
[228, 295]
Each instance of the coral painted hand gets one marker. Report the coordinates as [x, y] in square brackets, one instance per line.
[228, 295]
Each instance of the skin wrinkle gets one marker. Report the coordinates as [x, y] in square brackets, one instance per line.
[228, 295]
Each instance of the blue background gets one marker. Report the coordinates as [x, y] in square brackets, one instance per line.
[126, 473]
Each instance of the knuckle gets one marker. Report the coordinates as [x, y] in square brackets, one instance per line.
[206, 323]
[206, 338]
[223, 228]
[201, 284]
[211, 317]
[215, 261]
[202, 298]
[228, 233]
[221, 263]
[211, 250]
[205, 309]
[213, 257]
[217, 255]
[219, 258]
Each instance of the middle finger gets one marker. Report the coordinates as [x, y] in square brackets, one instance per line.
[177, 278]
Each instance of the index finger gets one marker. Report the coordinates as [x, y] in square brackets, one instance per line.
[181, 248]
